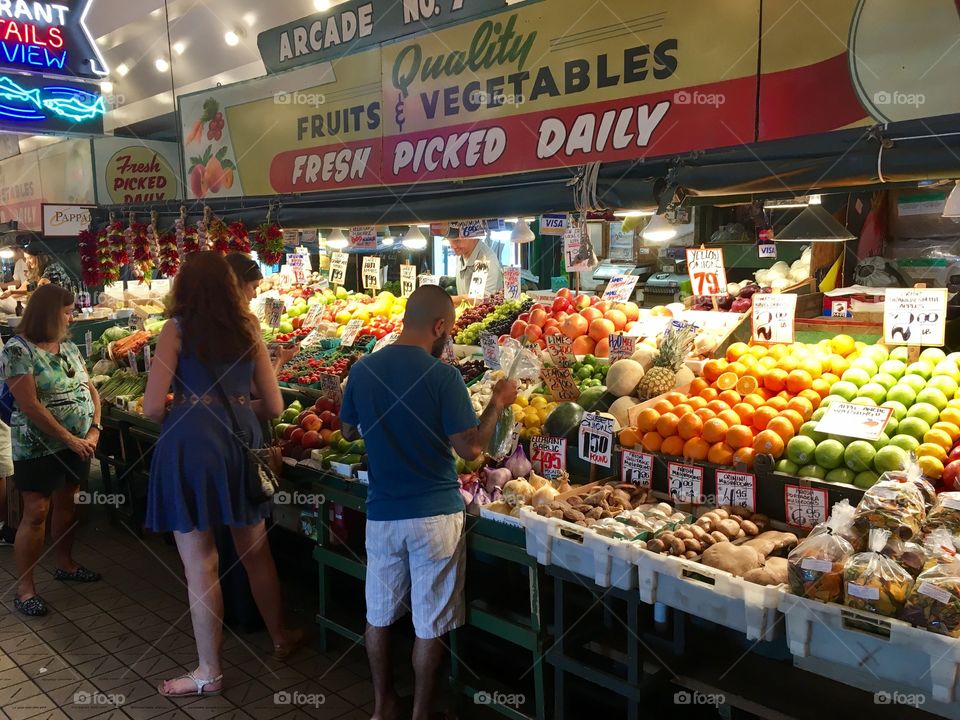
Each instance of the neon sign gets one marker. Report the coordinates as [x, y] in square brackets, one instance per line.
[51, 38]
[36, 104]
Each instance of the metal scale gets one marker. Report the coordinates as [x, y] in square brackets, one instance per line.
[670, 284]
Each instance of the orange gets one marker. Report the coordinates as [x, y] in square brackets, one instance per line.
[764, 393]
[629, 437]
[763, 416]
[705, 414]
[738, 368]
[718, 406]
[745, 412]
[950, 415]
[799, 380]
[744, 456]
[697, 385]
[782, 427]
[673, 446]
[747, 385]
[778, 403]
[712, 369]
[663, 406]
[755, 400]
[785, 394]
[730, 397]
[726, 381]
[795, 418]
[715, 430]
[821, 387]
[737, 350]
[768, 443]
[667, 424]
[768, 363]
[696, 402]
[775, 380]
[720, 454]
[682, 409]
[675, 397]
[812, 366]
[812, 396]
[696, 449]
[739, 436]
[690, 426]
[758, 350]
[709, 393]
[729, 417]
[652, 442]
[802, 405]
[788, 363]
[647, 420]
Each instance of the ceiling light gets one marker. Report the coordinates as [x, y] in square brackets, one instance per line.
[814, 224]
[813, 200]
[952, 208]
[414, 239]
[179, 47]
[659, 229]
[321, 5]
[511, 220]
[122, 69]
[427, 226]
[522, 233]
[6, 253]
[231, 38]
[106, 87]
[161, 65]
[249, 19]
[387, 241]
[337, 240]
[633, 213]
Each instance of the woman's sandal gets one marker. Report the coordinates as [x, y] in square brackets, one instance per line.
[31, 607]
[282, 652]
[81, 574]
[201, 684]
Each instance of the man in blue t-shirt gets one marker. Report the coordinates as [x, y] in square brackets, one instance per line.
[411, 409]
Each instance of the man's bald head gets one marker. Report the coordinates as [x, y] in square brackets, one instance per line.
[427, 305]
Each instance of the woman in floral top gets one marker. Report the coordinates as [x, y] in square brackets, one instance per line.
[55, 429]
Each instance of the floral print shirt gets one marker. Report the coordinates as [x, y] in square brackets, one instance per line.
[67, 398]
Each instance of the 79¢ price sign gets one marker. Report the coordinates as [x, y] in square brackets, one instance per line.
[596, 439]
[708, 276]
[548, 455]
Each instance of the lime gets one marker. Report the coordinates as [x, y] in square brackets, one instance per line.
[800, 449]
[845, 389]
[890, 458]
[866, 479]
[905, 442]
[812, 471]
[859, 455]
[928, 412]
[857, 375]
[809, 429]
[786, 466]
[841, 475]
[829, 454]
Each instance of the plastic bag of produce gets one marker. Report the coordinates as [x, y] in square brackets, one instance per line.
[815, 566]
[876, 583]
[944, 514]
[934, 601]
[518, 363]
[842, 516]
[895, 503]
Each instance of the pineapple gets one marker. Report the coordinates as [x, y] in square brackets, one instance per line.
[674, 349]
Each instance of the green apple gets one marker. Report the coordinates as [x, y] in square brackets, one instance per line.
[913, 426]
[812, 471]
[928, 412]
[857, 375]
[945, 384]
[921, 368]
[869, 402]
[881, 441]
[881, 378]
[896, 368]
[829, 455]
[949, 368]
[906, 442]
[890, 458]
[866, 479]
[933, 355]
[931, 396]
[800, 449]
[898, 407]
[902, 394]
[901, 353]
[786, 466]
[809, 429]
[843, 389]
[841, 475]
[916, 382]
[875, 391]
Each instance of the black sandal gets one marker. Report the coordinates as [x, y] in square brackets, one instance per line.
[31, 607]
[81, 574]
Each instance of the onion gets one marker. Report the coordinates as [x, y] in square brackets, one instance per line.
[733, 288]
[518, 464]
[496, 478]
[780, 283]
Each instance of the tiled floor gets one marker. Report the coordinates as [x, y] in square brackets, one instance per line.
[104, 647]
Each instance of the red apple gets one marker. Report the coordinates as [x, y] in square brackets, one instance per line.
[324, 403]
[518, 328]
[629, 326]
[954, 453]
[551, 330]
[631, 310]
[950, 473]
[296, 437]
[602, 349]
[583, 301]
[564, 293]
[617, 317]
[602, 305]
[538, 316]
[311, 439]
[303, 414]
[334, 424]
[561, 316]
[524, 316]
[288, 432]
[311, 423]
[327, 417]
[325, 436]
[560, 304]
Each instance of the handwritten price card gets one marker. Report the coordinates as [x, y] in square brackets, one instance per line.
[330, 385]
[636, 468]
[708, 276]
[511, 283]
[915, 316]
[621, 346]
[351, 331]
[773, 315]
[338, 268]
[620, 288]
[738, 489]
[491, 350]
[560, 349]
[805, 507]
[478, 281]
[429, 280]
[548, 455]
[858, 421]
[370, 273]
[363, 237]
[408, 280]
[560, 382]
[685, 482]
[596, 439]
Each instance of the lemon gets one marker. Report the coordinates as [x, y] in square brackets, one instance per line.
[522, 401]
[931, 450]
[930, 466]
[538, 401]
[531, 421]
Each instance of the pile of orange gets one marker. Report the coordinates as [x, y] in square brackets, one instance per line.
[752, 401]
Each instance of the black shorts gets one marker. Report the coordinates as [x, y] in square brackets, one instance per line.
[50, 473]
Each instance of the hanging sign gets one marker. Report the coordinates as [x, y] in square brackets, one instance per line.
[473, 228]
[338, 268]
[620, 288]
[636, 468]
[858, 421]
[773, 316]
[685, 483]
[554, 225]
[560, 382]
[804, 507]
[408, 280]
[737, 489]
[596, 439]
[65, 220]
[350, 332]
[511, 283]
[478, 282]
[370, 272]
[576, 250]
[295, 262]
[548, 455]
[621, 346]
[708, 276]
[491, 350]
[363, 237]
[915, 316]
[560, 348]
[429, 280]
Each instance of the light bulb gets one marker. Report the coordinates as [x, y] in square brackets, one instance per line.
[659, 229]
[522, 233]
[161, 65]
[414, 239]
[231, 38]
[337, 240]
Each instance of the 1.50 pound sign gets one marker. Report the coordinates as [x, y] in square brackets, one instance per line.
[595, 444]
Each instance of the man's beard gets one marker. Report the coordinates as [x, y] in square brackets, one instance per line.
[437, 349]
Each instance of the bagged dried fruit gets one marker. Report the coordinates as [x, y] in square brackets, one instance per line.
[934, 602]
[876, 583]
[815, 566]
[895, 504]
[945, 514]
[843, 514]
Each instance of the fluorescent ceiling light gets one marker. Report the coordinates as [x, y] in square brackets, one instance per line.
[337, 240]
[659, 229]
[633, 213]
[161, 65]
[423, 226]
[522, 233]
[414, 239]
[511, 220]
[952, 208]
[231, 38]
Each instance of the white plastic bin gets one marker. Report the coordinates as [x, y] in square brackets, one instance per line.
[614, 561]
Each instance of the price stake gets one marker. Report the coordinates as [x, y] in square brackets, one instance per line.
[511, 283]
[386, 340]
[804, 507]
[338, 268]
[596, 439]
[621, 346]
[491, 350]
[737, 489]
[858, 421]
[330, 385]
[560, 349]
[773, 315]
[685, 483]
[560, 382]
[915, 316]
[313, 316]
[295, 262]
[449, 356]
[478, 282]
[620, 288]
[636, 468]
[429, 280]
[132, 360]
[408, 280]
[88, 343]
[350, 332]
[708, 275]
[370, 272]
[273, 309]
[548, 455]
[147, 357]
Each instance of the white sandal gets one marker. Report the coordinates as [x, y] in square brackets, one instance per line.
[201, 684]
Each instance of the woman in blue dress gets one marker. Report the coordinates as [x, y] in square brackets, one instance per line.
[198, 473]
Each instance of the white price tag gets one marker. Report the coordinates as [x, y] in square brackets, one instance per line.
[560, 382]
[338, 268]
[857, 421]
[88, 342]
[132, 360]
[708, 275]
[273, 309]
[940, 594]
[773, 315]
[816, 564]
[915, 316]
[738, 489]
[147, 357]
[804, 506]
[548, 455]
[596, 439]
[636, 468]
[370, 272]
[429, 280]
[478, 282]
[350, 332]
[330, 385]
[511, 283]
[364, 236]
[864, 592]
[408, 280]
[313, 316]
[620, 288]
[560, 348]
[576, 253]
[299, 266]
[621, 346]
[491, 350]
[449, 356]
[685, 483]
[386, 340]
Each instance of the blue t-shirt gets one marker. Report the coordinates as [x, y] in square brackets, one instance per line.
[407, 404]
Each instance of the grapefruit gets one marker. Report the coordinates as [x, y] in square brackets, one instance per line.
[858, 456]
[890, 459]
[829, 454]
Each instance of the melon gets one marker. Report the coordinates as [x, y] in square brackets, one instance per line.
[623, 377]
[563, 419]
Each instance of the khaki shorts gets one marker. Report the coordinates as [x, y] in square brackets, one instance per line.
[416, 565]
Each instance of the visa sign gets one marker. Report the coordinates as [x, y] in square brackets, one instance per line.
[555, 225]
